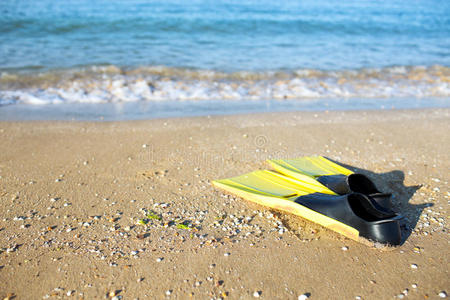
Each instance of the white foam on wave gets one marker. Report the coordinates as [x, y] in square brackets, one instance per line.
[160, 84]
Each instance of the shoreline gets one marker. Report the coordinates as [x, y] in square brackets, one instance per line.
[72, 194]
[149, 110]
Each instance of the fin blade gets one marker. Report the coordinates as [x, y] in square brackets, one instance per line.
[332, 166]
[274, 184]
[313, 166]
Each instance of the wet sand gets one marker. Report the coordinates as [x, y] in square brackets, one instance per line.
[74, 197]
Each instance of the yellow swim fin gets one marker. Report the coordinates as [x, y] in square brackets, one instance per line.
[351, 215]
[334, 176]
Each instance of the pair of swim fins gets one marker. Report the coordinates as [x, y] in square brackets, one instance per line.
[323, 192]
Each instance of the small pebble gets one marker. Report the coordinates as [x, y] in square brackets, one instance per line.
[345, 248]
[256, 294]
[443, 294]
[168, 292]
[414, 286]
[227, 254]
[69, 293]
[159, 259]
[413, 266]
[303, 297]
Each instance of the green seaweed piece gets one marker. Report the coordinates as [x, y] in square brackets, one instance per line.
[153, 215]
[183, 226]
[142, 222]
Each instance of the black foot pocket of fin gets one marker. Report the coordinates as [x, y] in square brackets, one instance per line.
[382, 199]
[359, 212]
[356, 183]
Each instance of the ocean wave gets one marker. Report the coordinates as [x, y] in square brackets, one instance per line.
[104, 84]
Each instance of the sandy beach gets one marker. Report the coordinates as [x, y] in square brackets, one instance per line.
[74, 197]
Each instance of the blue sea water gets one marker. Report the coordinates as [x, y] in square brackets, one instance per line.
[110, 51]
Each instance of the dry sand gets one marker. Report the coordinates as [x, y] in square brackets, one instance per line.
[72, 193]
